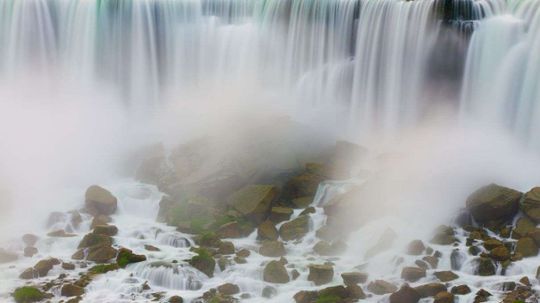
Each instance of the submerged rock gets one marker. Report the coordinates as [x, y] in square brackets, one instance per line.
[493, 202]
[275, 272]
[99, 201]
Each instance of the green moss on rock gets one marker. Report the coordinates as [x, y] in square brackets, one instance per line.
[28, 294]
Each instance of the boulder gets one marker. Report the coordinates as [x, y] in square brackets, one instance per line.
[149, 247]
[303, 185]
[493, 203]
[486, 267]
[275, 272]
[491, 244]
[444, 297]
[106, 230]
[100, 220]
[230, 230]
[280, 214]
[101, 254]
[308, 210]
[431, 260]
[272, 249]
[430, 289]
[176, 299]
[302, 202]
[446, 276]
[99, 201]
[295, 229]
[226, 248]
[267, 231]
[381, 287]
[526, 247]
[530, 205]
[253, 201]
[444, 235]
[30, 239]
[41, 269]
[412, 274]
[500, 253]
[28, 294]
[350, 278]
[321, 274]
[204, 262]
[71, 290]
[68, 266]
[461, 289]
[126, 256]
[228, 289]
[93, 239]
[306, 296]
[405, 294]
[416, 248]
[523, 227]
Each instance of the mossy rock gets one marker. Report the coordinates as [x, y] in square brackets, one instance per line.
[126, 256]
[28, 294]
[275, 272]
[204, 262]
[103, 268]
[493, 202]
[295, 229]
[253, 201]
[99, 201]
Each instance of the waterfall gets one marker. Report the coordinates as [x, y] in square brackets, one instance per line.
[367, 64]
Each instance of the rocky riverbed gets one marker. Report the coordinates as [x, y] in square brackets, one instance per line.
[184, 231]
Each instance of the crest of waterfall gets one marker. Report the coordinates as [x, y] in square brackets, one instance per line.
[503, 70]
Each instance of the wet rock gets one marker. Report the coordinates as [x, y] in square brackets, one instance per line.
[530, 205]
[68, 266]
[493, 202]
[308, 210]
[416, 248]
[92, 239]
[444, 235]
[272, 249]
[269, 292]
[253, 201]
[446, 276]
[30, 251]
[295, 229]
[381, 287]
[430, 289]
[228, 289]
[306, 296]
[126, 256]
[71, 290]
[204, 262]
[384, 243]
[444, 297]
[60, 234]
[461, 289]
[355, 292]
[230, 230]
[295, 274]
[151, 247]
[99, 201]
[350, 278]
[456, 259]
[100, 220]
[303, 185]
[176, 299]
[320, 274]
[500, 253]
[226, 248]
[243, 253]
[481, 296]
[413, 274]
[41, 269]
[526, 247]
[486, 267]
[523, 227]
[280, 214]
[267, 231]
[324, 248]
[28, 294]
[106, 230]
[525, 281]
[275, 272]
[490, 244]
[30, 239]
[422, 264]
[432, 261]
[405, 294]
[101, 254]
[208, 239]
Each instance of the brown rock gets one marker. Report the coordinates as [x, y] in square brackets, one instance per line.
[321, 274]
[99, 201]
[461, 289]
[228, 289]
[493, 202]
[71, 290]
[405, 294]
[430, 289]
[272, 249]
[416, 248]
[280, 214]
[275, 272]
[413, 274]
[267, 231]
[444, 297]
[381, 287]
[526, 247]
[446, 276]
[354, 278]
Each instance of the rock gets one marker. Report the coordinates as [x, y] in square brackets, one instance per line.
[208, 239]
[308, 210]
[253, 201]
[485, 267]
[295, 274]
[106, 230]
[295, 229]
[228, 289]
[324, 248]
[28, 294]
[430, 289]
[302, 202]
[243, 253]
[493, 203]
[490, 244]
[422, 264]
[530, 205]
[100, 220]
[444, 297]
[526, 247]
[446, 276]
[405, 294]
[176, 299]
[204, 262]
[6, 257]
[230, 230]
[41, 269]
[321, 274]
[267, 231]
[525, 281]
[303, 185]
[30, 251]
[126, 256]
[461, 289]
[92, 239]
[432, 261]
[272, 249]
[355, 292]
[413, 274]
[68, 266]
[151, 247]
[444, 235]
[60, 234]
[226, 248]
[101, 254]
[30, 240]
[500, 253]
[523, 227]
[275, 272]
[381, 287]
[280, 214]
[71, 290]
[306, 296]
[269, 292]
[384, 243]
[99, 201]
[416, 248]
[350, 278]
